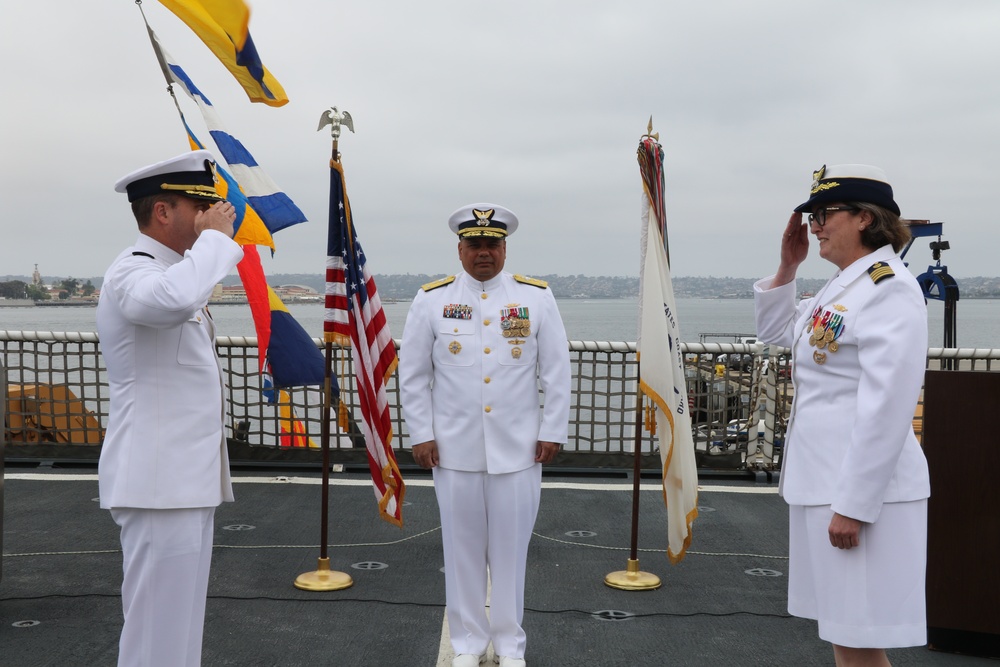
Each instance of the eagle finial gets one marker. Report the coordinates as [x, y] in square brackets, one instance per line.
[335, 119]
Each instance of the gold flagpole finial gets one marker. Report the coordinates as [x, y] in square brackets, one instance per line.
[649, 131]
[335, 119]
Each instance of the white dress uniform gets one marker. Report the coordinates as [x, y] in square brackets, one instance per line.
[164, 466]
[859, 348]
[473, 358]
[164, 447]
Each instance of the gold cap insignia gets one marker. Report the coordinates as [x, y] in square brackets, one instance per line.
[818, 176]
[483, 217]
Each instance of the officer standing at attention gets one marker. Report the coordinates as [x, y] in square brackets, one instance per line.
[476, 349]
[164, 467]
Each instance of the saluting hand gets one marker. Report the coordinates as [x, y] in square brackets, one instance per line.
[794, 249]
[219, 216]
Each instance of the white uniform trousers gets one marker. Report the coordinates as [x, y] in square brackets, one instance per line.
[167, 555]
[486, 522]
[871, 596]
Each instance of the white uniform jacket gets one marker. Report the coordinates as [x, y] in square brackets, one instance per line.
[164, 447]
[467, 372]
[850, 441]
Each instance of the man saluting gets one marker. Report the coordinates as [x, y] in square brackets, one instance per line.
[164, 467]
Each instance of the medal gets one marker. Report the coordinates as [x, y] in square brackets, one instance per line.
[824, 329]
[514, 321]
[454, 347]
[515, 352]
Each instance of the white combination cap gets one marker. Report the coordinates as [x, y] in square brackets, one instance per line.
[190, 175]
[483, 220]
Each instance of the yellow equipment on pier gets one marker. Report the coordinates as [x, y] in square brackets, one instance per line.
[46, 413]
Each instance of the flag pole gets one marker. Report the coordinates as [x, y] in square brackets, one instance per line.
[632, 578]
[323, 578]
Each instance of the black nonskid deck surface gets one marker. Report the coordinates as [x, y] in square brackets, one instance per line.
[723, 605]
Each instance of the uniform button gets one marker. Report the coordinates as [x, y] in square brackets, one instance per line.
[486, 380]
[487, 350]
[485, 296]
[456, 329]
[486, 323]
[487, 408]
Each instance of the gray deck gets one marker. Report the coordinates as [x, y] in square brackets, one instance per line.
[60, 604]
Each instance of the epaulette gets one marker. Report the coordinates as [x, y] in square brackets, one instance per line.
[438, 283]
[534, 282]
[879, 271]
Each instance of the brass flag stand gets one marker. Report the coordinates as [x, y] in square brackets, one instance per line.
[323, 578]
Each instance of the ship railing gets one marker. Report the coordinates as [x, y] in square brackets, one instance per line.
[739, 395]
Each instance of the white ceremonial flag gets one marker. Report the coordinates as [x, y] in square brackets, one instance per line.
[661, 380]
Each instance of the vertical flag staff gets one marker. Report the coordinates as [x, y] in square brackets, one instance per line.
[632, 578]
[323, 578]
[661, 380]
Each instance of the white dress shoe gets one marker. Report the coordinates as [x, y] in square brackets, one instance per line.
[511, 662]
[468, 660]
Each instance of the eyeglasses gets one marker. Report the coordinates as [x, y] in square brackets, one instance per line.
[819, 215]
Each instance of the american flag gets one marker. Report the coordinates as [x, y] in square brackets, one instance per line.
[354, 318]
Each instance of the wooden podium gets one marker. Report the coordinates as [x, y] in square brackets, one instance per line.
[961, 439]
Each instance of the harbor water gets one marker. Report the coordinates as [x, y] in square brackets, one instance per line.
[585, 319]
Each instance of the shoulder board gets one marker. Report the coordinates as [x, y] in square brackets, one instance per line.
[438, 283]
[535, 282]
[879, 271]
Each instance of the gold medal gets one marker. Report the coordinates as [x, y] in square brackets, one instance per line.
[828, 336]
[821, 343]
[454, 347]
[515, 352]
[833, 346]
[819, 357]
[812, 340]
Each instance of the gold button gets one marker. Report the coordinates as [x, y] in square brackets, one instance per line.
[488, 408]
[484, 295]
[456, 329]
[486, 380]
[487, 350]
[486, 323]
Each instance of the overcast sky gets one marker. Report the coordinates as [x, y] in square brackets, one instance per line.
[532, 104]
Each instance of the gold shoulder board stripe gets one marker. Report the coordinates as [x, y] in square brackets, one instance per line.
[438, 283]
[535, 282]
[879, 272]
